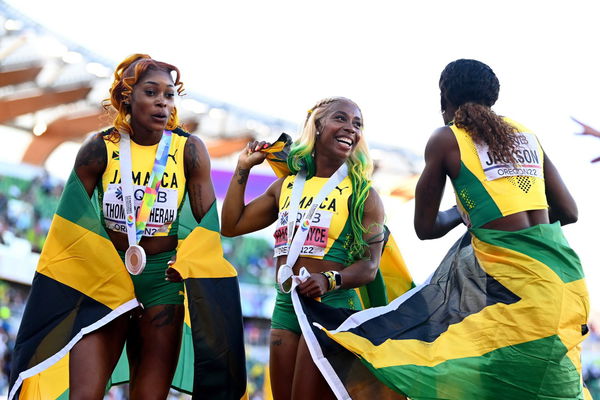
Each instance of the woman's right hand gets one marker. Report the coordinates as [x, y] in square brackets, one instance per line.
[252, 154]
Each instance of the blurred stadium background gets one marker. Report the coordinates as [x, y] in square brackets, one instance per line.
[50, 95]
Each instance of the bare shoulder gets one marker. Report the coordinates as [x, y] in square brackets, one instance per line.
[195, 154]
[91, 162]
[441, 139]
[373, 203]
[92, 154]
[274, 188]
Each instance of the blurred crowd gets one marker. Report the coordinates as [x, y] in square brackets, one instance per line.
[27, 207]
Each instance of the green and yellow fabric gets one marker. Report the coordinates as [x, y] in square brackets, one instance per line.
[82, 284]
[503, 317]
[482, 195]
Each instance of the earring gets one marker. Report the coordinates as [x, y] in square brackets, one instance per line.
[318, 133]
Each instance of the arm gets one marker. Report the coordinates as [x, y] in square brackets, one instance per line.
[561, 203]
[237, 218]
[196, 165]
[91, 162]
[364, 270]
[430, 223]
[587, 130]
[197, 172]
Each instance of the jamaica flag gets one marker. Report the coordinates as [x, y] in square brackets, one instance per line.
[82, 284]
[503, 317]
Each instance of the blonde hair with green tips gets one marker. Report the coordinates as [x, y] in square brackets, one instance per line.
[360, 169]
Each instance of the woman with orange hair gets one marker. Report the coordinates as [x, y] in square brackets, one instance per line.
[159, 162]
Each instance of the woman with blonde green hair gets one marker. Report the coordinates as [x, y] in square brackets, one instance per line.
[337, 217]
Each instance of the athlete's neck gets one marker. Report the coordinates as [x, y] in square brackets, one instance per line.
[326, 167]
[145, 137]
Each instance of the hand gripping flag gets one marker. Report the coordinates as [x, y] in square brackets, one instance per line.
[393, 277]
[214, 316]
[212, 361]
[392, 280]
[82, 284]
[503, 317]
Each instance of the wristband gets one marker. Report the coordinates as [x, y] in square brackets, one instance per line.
[334, 279]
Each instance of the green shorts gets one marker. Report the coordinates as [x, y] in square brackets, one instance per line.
[284, 316]
[150, 286]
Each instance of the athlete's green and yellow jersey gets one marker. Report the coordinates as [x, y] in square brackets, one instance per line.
[330, 230]
[489, 187]
[164, 218]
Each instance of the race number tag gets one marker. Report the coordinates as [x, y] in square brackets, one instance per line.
[161, 217]
[316, 240]
[528, 156]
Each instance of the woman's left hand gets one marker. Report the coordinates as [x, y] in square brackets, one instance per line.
[315, 286]
[171, 274]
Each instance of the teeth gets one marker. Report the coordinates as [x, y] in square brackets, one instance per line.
[346, 142]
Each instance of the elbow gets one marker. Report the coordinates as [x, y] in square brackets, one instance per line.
[564, 215]
[227, 232]
[424, 234]
[373, 273]
[569, 218]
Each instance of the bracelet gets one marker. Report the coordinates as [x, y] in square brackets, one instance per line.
[334, 279]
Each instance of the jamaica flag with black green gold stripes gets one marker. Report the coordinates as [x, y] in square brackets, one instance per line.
[502, 317]
[81, 284]
[212, 357]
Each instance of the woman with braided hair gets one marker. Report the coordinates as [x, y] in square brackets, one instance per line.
[518, 177]
[527, 316]
[142, 99]
[329, 190]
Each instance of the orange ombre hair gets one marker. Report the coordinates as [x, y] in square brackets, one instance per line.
[127, 74]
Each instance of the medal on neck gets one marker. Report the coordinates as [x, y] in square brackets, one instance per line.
[135, 256]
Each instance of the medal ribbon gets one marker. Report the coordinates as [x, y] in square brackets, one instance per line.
[150, 192]
[297, 237]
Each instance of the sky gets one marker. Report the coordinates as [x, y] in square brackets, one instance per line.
[280, 57]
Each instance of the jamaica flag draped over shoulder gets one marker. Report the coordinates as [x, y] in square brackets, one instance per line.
[503, 317]
[80, 285]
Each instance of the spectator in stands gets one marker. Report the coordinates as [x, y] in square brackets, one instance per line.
[142, 99]
[350, 220]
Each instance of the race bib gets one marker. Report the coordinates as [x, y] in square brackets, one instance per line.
[162, 215]
[316, 240]
[528, 156]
